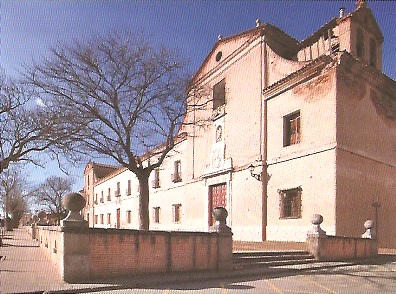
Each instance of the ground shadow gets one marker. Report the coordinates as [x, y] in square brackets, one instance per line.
[187, 281]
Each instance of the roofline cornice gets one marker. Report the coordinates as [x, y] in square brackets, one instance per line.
[301, 75]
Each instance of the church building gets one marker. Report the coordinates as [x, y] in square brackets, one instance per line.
[295, 128]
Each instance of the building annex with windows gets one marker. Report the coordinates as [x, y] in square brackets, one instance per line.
[295, 128]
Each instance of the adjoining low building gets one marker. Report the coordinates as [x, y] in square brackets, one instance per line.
[296, 128]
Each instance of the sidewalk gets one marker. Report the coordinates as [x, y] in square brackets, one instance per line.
[24, 268]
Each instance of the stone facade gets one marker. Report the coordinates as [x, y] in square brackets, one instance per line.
[316, 119]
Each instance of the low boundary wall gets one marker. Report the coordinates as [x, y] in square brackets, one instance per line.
[83, 253]
[335, 248]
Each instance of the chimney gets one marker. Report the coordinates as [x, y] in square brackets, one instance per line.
[342, 12]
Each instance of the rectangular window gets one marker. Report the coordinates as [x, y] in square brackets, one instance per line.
[102, 219]
[96, 219]
[128, 191]
[176, 176]
[290, 203]
[109, 218]
[129, 216]
[156, 182]
[219, 94]
[291, 128]
[96, 198]
[176, 213]
[117, 192]
[156, 215]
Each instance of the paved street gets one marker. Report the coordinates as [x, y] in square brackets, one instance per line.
[374, 278]
[25, 269]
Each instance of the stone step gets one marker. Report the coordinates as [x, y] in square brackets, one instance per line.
[270, 259]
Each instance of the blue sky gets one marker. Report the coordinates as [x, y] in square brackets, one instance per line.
[29, 28]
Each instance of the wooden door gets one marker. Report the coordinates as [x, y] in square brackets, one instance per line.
[217, 198]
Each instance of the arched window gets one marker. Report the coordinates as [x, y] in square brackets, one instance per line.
[373, 52]
[359, 44]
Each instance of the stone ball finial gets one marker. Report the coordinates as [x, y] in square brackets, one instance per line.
[317, 219]
[74, 201]
[368, 224]
[316, 230]
[258, 22]
[220, 214]
[360, 3]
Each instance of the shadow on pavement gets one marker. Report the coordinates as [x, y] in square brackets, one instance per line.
[198, 281]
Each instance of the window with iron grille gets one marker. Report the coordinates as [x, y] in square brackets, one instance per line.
[291, 129]
[290, 203]
[219, 94]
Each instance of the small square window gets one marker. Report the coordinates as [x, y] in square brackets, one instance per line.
[292, 129]
[290, 203]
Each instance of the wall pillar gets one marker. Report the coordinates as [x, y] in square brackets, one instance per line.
[315, 237]
[75, 241]
[224, 240]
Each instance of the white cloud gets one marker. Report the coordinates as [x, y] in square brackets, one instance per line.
[40, 102]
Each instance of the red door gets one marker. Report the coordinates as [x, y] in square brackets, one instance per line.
[217, 198]
[118, 218]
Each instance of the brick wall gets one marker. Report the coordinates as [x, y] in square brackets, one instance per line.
[87, 253]
[333, 248]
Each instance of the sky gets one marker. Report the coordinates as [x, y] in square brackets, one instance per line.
[29, 28]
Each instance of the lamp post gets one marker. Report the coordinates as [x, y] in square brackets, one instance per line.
[256, 176]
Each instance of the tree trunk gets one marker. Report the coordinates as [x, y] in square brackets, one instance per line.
[144, 220]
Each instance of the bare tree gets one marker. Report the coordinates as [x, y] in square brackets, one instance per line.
[50, 194]
[130, 96]
[28, 128]
[13, 196]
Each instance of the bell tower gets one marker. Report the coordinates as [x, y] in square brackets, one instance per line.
[361, 36]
